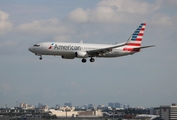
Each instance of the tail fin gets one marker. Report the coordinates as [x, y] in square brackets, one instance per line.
[134, 42]
[137, 37]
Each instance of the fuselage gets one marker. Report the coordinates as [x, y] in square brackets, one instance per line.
[69, 49]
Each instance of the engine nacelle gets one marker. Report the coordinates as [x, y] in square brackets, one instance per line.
[81, 54]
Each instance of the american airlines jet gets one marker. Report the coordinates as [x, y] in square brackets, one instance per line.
[83, 50]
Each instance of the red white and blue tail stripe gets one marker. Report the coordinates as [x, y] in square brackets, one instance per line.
[135, 39]
[137, 36]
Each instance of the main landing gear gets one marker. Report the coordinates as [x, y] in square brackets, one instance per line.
[84, 60]
[91, 60]
[40, 58]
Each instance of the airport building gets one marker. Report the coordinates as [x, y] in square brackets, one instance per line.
[168, 112]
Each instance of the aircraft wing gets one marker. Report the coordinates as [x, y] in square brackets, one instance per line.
[96, 52]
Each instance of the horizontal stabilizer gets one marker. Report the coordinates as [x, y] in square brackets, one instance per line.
[146, 46]
[138, 48]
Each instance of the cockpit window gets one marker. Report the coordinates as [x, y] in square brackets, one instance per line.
[36, 45]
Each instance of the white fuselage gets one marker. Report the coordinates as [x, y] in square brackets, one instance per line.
[68, 50]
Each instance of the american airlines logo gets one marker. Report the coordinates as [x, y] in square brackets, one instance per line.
[67, 47]
[52, 45]
[64, 47]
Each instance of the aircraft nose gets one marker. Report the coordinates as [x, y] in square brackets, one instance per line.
[30, 49]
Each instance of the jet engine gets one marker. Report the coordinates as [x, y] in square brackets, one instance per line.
[81, 54]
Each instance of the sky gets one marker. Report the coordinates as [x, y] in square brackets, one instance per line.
[147, 79]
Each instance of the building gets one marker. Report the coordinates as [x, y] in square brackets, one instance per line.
[69, 104]
[117, 105]
[155, 111]
[168, 112]
[91, 105]
[111, 104]
[72, 113]
[57, 106]
[23, 105]
[128, 106]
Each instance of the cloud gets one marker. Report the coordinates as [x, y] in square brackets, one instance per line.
[106, 11]
[171, 2]
[163, 20]
[5, 25]
[78, 15]
[42, 27]
[116, 11]
[132, 6]
[62, 38]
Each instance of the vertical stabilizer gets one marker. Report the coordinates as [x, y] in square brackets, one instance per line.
[135, 39]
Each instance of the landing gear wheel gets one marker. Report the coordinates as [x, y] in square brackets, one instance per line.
[40, 58]
[84, 60]
[92, 60]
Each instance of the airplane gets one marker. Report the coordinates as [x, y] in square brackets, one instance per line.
[86, 50]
